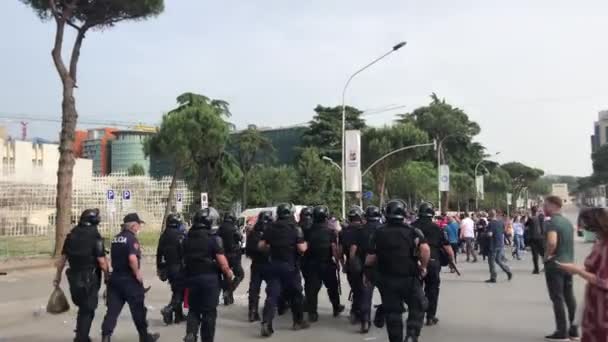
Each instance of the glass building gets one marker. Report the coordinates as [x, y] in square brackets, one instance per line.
[128, 150]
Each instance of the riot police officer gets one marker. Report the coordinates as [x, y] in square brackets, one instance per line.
[321, 264]
[284, 240]
[126, 283]
[352, 269]
[402, 256]
[362, 293]
[204, 259]
[439, 243]
[231, 237]
[169, 265]
[84, 250]
[259, 262]
[305, 221]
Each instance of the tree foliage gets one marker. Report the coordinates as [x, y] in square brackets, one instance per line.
[414, 182]
[270, 185]
[318, 181]
[136, 170]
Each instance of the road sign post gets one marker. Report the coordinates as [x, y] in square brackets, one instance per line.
[126, 199]
[110, 196]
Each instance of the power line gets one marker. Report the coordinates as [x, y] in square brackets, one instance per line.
[85, 121]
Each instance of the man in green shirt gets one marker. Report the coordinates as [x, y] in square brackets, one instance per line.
[559, 235]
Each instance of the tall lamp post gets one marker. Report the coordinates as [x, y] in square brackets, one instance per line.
[393, 49]
[439, 153]
[477, 190]
[332, 162]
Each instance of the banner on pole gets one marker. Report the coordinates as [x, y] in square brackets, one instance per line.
[204, 200]
[479, 187]
[509, 198]
[444, 178]
[352, 172]
[179, 201]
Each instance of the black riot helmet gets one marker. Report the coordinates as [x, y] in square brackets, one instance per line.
[207, 218]
[229, 217]
[373, 214]
[265, 216]
[173, 221]
[355, 214]
[426, 209]
[284, 211]
[306, 214]
[320, 214]
[396, 210]
[90, 217]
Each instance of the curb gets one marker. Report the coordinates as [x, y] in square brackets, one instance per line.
[12, 265]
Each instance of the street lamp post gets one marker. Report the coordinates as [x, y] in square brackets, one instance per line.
[332, 162]
[393, 152]
[393, 49]
[477, 190]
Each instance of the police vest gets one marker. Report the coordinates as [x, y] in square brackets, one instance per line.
[319, 244]
[282, 242]
[252, 250]
[228, 233]
[171, 246]
[432, 235]
[363, 240]
[395, 249]
[82, 247]
[197, 254]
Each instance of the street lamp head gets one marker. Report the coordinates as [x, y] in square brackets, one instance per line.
[399, 46]
[326, 158]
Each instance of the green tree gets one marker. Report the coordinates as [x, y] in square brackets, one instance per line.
[415, 181]
[325, 129]
[82, 16]
[251, 147]
[272, 185]
[136, 170]
[318, 181]
[522, 176]
[463, 188]
[496, 186]
[377, 142]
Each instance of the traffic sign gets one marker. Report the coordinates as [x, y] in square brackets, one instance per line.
[368, 195]
[204, 200]
[126, 195]
[110, 195]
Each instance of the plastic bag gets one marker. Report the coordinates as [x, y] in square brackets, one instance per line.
[58, 303]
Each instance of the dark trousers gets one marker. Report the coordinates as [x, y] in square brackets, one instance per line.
[176, 280]
[317, 275]
[203, 301]
[394, 292]
[455, 249]
[125, 289]
[432, 281]
[362, 298]
[255, 284]
[561, 293]
[283, 278]
[538, 250]
[234, 261]
[497, 257]
[84, 289]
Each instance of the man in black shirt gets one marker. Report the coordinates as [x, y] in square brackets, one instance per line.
[259, 262]
[231, 237]
[536, 233]
[169, 266]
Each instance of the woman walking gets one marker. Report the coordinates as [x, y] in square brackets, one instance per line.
[595, 272]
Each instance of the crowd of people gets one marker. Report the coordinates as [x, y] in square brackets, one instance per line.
[398, 252]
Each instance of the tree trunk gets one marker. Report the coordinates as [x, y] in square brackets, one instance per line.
[170, 198]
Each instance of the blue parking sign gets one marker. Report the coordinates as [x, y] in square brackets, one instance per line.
[126, 195]
[110, 195]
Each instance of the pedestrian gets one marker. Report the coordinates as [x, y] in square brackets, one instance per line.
[362, 292]
[170, 266]
[259, 262]
[85, 252]
[452, 232]
[595, 272]
[231, 238]
[496, 232]
[467, 233]
[438, 242]
[126, 284]
[351, 267]
[402, 255]
[205, 260]
[559, 235]
[483, 240]
[535, 229]
[509, 232]
[284, 240]
[518, 238]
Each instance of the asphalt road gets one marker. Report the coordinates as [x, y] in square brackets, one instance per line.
[470, 310]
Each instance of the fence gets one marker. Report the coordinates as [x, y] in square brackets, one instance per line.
[27, 210]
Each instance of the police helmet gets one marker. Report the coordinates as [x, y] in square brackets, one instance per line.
[306, 213]
[90, 217]
[396, 210]
[265, 216]
[320, 214]
[207, 218]
[229, 217]
[426, 209]
[284, 210]
[373, 213]
[355, 213]
[173, 221]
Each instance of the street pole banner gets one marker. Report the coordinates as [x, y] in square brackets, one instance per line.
[479, 187]
[179, 201]
[509, 198]
[352, 172]
[204, 200]
[444, 178]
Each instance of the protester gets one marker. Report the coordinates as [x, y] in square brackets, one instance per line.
[535, 230]
[496, 232]
[467, 233]
[482, 240]
[452, 232]
[595, 272]
[518, 238]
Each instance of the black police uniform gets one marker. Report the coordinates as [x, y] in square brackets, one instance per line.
[346, 238]
[319, 269]
[395, 245]
[169, 263]
[203, 281]
[437, 240]
[82, 247]
[283, 273]
[362, 294]
[123, 287]
[259, 262]
[231, 238]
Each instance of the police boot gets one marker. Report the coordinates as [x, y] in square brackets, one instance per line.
[353, 317]
[432, 321]
[254, 315]
[179, 316]
[267, 330]
[167, 313]
[365, 325]
[190, 338]
[411, 339]
[313, 317]
[105, 339]
[149, 337]
[338, 309]
[379, 317]
[301, 325]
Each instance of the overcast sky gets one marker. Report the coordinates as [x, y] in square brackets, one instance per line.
[533, 74]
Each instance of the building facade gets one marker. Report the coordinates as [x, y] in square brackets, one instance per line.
[97, 148]
[128, 149]
[600, 131]
[561, 190]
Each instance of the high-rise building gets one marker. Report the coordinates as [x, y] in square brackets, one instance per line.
[128, 149]
[97, 148]
[600, 132]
